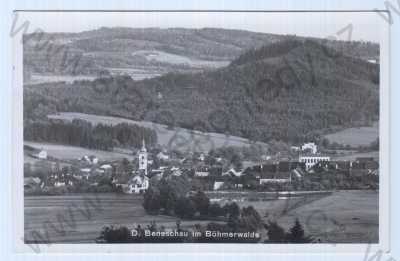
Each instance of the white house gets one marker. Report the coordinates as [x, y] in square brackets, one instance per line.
[295, 148]
[232, 172]
[201, 173]
[90, 159]
[176, 171]
[137, 184]
[278, 177]
[310, 146]
[218, 185]
[40, 154]
[162, 156]
[202, 157]
[106, 167]
[311, 160]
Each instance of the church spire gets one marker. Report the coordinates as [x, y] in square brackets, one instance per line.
[143, 146]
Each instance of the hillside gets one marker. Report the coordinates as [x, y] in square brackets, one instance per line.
[292, 90]
[148, 52]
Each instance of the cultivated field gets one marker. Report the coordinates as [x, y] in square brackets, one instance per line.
[355, 136]
[170, 58]
[66, 152]
[179, 138]
[344, 216]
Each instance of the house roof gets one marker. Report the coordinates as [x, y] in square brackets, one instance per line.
[138, 179]
[32, 181]
[275, 175]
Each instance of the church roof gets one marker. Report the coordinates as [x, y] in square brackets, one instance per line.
[143, 149]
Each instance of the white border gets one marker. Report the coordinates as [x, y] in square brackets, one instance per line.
[201, 248]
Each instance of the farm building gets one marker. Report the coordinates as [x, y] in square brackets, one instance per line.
[311, 160]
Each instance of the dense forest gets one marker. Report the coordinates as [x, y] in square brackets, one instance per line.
[82, 133]
[291, 91]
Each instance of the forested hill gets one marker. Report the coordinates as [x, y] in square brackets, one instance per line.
[291, 90]
[147, 52]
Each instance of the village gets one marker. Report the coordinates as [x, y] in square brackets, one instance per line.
[305, 168]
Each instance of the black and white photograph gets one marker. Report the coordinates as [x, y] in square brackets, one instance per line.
[202, 127]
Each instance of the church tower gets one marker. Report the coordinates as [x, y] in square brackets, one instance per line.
[143, 158]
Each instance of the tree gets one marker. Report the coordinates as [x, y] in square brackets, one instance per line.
[215, 210]
[185, 208]
[232, 210]
[276, 234]
[296, 234]
[250, 219]
[202, 202]
[152, 201]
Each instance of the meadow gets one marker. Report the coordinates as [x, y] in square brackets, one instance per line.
[342, 217]
[355, 136]
[172, 137]
[66, 152]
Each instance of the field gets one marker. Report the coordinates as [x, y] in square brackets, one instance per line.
[353, 156]
[170, 58]
[194, 140]
[39, 78]
[66, 152]
[342, 217]
[355, 136]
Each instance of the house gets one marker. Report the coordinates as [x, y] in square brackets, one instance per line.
[202, 157]
[39, 154]
[232, 172]
[162, 156]
[90, 159]
[311, 146]
[218, 184]
[176, 171]
[85, 173]
[295, 148]
[32, 183]
[297, 173]
[202, 171]
[277, 177]
[158, 173]
[265, 157]
[59, 184]
[106, 167]
[137, 184]
[365, 163]
[311, 160]
[340, 165]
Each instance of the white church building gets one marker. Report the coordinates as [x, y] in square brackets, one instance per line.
[139, 183]
[143, 158]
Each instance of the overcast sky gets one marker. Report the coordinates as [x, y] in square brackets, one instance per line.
[365, 25]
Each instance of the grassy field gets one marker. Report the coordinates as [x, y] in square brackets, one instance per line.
[345, 216]
[66, 152]
[353, 156]
[193, 140]
[355, 136]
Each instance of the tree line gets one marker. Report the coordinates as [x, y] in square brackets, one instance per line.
[82, 133]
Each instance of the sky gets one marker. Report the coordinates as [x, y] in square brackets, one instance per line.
[339, 25]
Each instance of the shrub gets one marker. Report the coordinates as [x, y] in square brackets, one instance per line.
[215, 210]
[185, 208]
[202, 202]
[276, 234]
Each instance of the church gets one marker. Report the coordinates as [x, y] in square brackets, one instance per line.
[143, 161]
[139, 183]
